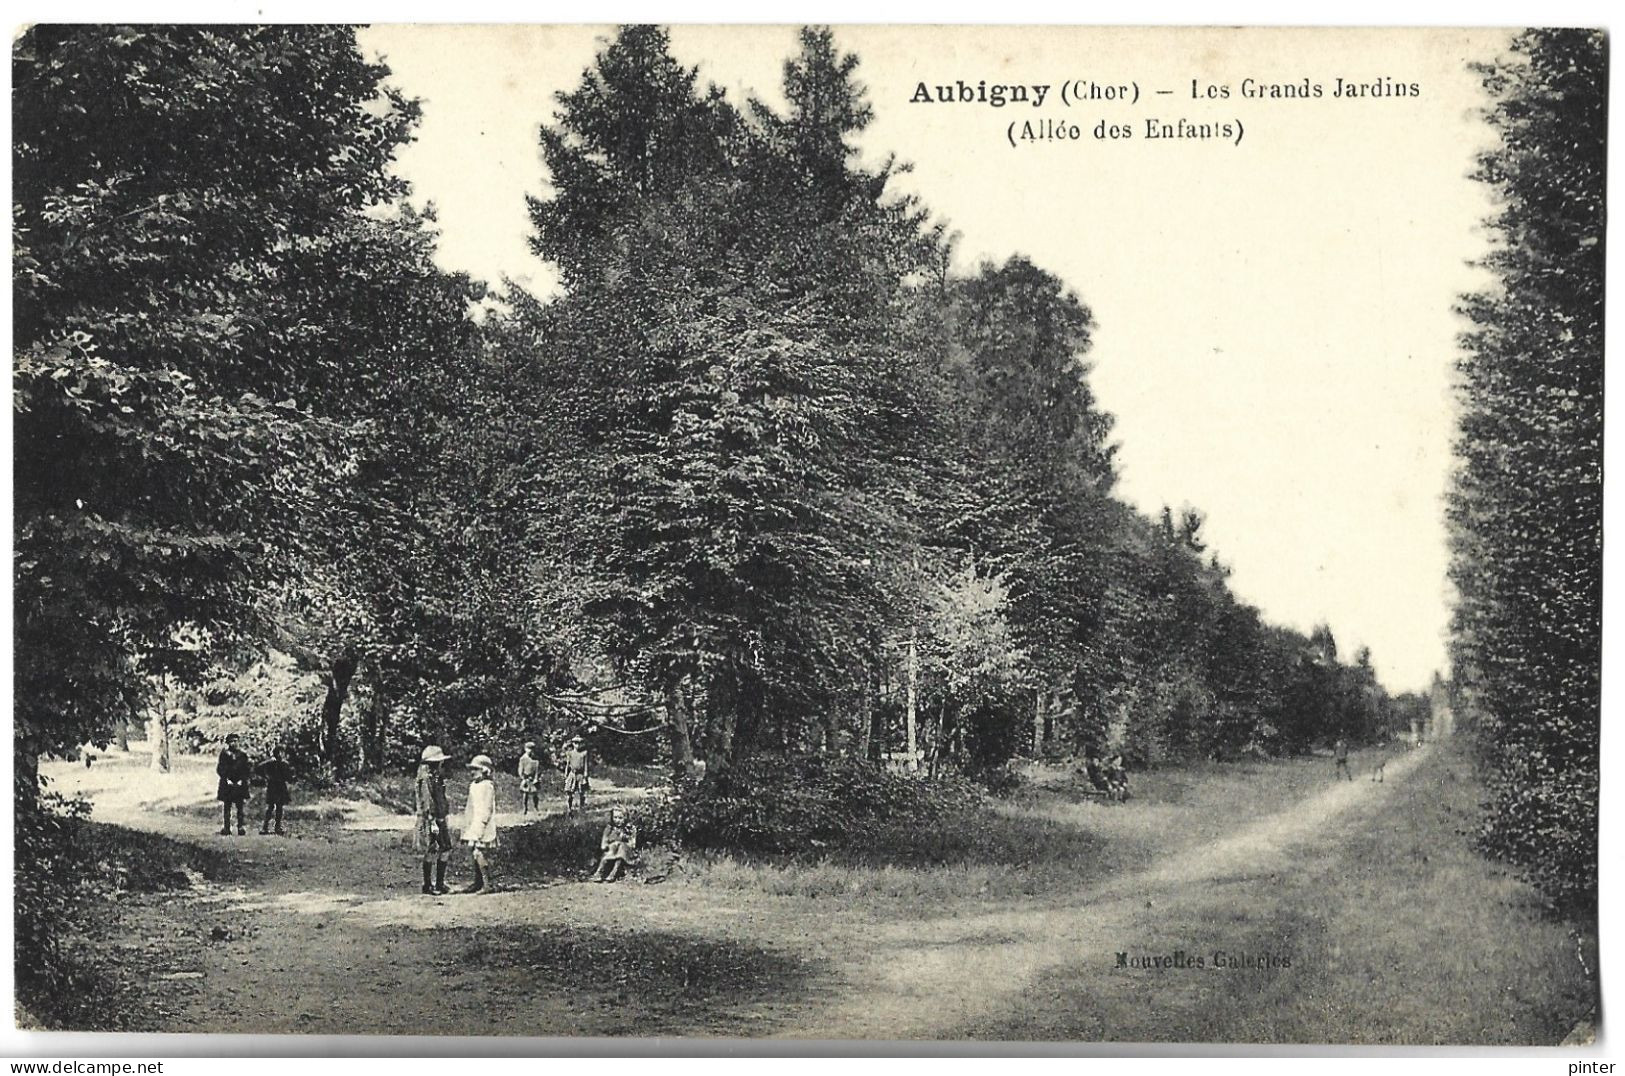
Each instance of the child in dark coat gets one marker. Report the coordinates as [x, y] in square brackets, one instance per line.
[276, 773]
[234, 771]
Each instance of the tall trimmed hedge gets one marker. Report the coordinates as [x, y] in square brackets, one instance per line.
[1527, 504]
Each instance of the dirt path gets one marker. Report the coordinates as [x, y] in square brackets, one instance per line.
[326, 932]
[939, 978]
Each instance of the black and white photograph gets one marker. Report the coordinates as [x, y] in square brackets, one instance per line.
[808, 533]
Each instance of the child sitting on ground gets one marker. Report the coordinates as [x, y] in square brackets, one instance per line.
[618, 842]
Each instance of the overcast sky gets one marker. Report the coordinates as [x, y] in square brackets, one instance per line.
[1275, 319]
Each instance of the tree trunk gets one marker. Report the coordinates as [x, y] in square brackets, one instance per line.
[338, 689]
[682, 749]
[936, 739]
[374, 730]
[158, 727]
[866, 714]
[701, 733]
[158, 736]
[1038, 724]
[913, 715]
[121, 730]
[725, 741]
[832, 730]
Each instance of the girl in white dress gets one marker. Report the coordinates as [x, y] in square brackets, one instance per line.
[480, 821]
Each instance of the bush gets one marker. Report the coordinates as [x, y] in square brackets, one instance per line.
[554, 844]
[800, 804]
[1001, 779]
[66, 869]
[50, 890]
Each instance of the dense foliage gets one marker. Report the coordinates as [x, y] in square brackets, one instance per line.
[813, 475]
[1527, 506]
[49, 888]
[779, 803]
[769, 473]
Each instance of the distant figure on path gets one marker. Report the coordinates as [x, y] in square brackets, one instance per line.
[1376, 771]
[234, 771]
[1091, 770]
[1340, 752]
[530, 779]
[617, 843]
[575, 774]
[433, 837]
[1116, 775]
[277, 774]
[480, 821]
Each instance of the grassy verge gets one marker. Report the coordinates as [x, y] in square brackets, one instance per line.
[553, 846]
[110, 863]
[133, 861]
[989, 854]
[1400, 934]
[1048, 842]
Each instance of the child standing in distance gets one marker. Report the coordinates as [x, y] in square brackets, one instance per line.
[234, 771]
[530, 779]
[433, 837]
[575, 774]
[277, 773]
[1340, 752]
[480, 821]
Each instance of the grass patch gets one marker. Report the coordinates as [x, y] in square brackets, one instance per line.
[980, 837]
[673, 982]
[980, 853]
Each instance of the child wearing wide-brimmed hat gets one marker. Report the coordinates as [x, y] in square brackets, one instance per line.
[480, 821]
[433, 837]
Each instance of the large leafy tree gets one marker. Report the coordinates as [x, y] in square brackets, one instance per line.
[1032, 496]
[392, 581]
[1527, 505]
[724, 333]
[190, 211]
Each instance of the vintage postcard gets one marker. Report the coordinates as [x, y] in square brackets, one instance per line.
[1061, 534]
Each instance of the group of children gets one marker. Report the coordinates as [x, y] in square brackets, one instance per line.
[572, 764]
[432, 839]
[236, 773]
[479, 829]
